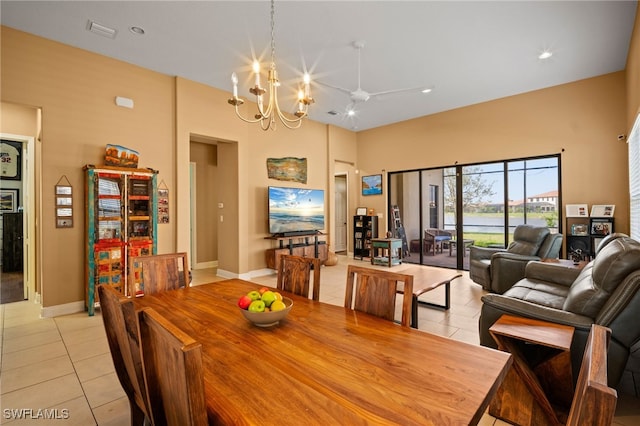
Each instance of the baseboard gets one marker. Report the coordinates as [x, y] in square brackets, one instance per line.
[246, 276]
[65, 309]
[206, 265]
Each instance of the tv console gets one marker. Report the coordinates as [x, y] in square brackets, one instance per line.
[305, 245]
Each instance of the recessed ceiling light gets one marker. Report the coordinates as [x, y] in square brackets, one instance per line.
[137, 30]
[427, 90]
[351, 113]
[545, 55]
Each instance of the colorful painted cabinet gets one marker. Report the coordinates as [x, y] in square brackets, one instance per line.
[121, 208]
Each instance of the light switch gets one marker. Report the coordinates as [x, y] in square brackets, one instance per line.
[220, 205]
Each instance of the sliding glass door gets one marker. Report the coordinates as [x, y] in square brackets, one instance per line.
[446, 210]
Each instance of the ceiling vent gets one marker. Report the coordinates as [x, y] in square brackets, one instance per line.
[333, 112]
[96, 28]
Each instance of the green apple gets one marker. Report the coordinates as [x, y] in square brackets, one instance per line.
[268, 297]
[254, 295]
[256, 306]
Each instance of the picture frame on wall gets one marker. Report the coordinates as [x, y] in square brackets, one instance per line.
[9, 200]
[577, 210]
[10, 160]
[372, 185]
[602, 210]
[361, 211]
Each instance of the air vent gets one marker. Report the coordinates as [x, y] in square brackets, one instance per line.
[96, 28]
[333, 112]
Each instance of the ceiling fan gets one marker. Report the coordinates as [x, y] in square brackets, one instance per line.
[359, 95]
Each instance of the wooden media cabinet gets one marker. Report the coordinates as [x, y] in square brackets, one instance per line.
[298, 245]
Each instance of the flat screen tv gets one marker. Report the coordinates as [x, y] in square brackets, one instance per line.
[295, 211]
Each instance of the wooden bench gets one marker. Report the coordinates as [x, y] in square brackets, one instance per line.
[594, 402]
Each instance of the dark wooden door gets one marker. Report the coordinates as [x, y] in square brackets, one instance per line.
[12, 242]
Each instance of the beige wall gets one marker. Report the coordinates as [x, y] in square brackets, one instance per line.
[580, 120]
[76, 91]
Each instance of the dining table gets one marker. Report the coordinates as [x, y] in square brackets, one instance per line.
[326, 364]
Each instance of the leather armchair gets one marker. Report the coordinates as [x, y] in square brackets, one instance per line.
[497, 270]
[604, 292]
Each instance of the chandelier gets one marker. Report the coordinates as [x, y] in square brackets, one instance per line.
[266, 116]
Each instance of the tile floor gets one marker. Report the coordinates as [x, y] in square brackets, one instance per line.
[62, 365]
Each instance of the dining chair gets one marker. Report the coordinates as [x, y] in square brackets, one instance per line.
[173, 370]
[294, 275]
[594, 402]
[374, 291]
[120, 323]
[152, 274]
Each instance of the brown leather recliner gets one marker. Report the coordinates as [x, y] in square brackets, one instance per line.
[497, 270]
[604, 292]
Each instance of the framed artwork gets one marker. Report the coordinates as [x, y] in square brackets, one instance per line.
[163, 204]
[64, 204]
[579, 229]
[10, 160]
[601, 227]
[577, 210]
[361, 211]
[9, 200]
[602, 210]
[372, 185]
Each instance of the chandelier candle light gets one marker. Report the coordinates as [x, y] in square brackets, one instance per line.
[267, 116]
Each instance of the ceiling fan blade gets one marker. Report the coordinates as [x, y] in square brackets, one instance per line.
[342, 89]
[389, 92]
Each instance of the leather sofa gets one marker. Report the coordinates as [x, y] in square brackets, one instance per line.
[604, 292]
[496, 269]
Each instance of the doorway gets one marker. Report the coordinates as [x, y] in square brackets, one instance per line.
[341, 214]
[17, 211]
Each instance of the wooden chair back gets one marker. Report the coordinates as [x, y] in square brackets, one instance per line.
[121, 326]
[594, 402]
[374, 291]
[152, 274]
[173, 369]
[294, 275]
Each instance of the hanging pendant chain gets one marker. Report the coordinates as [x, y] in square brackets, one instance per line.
[273, 39]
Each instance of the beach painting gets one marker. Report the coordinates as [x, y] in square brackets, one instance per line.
[372, 185]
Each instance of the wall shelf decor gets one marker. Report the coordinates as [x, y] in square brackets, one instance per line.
[64, 203]
[163, 203]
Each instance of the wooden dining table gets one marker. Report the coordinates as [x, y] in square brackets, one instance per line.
[326, 364]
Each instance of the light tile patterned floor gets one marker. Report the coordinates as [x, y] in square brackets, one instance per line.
[63, 364]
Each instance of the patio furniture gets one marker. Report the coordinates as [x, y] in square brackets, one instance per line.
[465, 244]
[433, 239]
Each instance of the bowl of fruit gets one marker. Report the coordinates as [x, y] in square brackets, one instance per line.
[264, 307]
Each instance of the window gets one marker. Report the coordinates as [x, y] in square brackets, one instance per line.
[634, 179]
